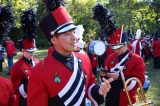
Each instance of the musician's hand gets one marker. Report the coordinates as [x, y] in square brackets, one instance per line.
[113, 75]
[105, 86]
[103, 71]
[102, 74]
[121, 68]
[106, 68]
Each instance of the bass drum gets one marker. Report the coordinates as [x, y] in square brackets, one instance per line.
[97, 47]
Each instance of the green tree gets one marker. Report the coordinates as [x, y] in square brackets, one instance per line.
[81, 12]
[133, 14]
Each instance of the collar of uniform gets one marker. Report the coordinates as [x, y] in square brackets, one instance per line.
[62, 58]
[27, 60]
[120, 57]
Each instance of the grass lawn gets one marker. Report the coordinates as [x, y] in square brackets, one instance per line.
[40, 54]
[154, 75]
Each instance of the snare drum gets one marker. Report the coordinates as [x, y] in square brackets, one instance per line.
[97, 47]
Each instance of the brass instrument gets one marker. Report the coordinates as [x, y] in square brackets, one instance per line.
[125, 88]
[141, 96]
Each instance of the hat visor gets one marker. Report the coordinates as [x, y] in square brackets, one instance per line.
[114, 47]
[67, 28]
[31, 50]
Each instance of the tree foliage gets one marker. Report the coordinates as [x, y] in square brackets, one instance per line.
[133, 14]
[81, 13]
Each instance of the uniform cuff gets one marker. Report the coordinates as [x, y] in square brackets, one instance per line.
[94, 95]
[22, 91]
[132, 85]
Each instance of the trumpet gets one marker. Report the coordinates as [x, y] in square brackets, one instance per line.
[141, 95]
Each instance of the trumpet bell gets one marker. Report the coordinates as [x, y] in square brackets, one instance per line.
[142, 100]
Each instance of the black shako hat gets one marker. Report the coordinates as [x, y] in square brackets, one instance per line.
[57, 21]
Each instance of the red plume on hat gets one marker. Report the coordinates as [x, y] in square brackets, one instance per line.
[57, 21]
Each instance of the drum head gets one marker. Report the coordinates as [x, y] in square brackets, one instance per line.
[99, 48]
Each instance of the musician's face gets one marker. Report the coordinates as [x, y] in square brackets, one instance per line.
[65, 43]
[121, 50]
[27, 54]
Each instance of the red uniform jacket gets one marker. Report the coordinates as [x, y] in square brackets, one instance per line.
[51, 83]
[10, 48]
[135, 67]
[20, 71]
[137, 47]
[7, 97]
[156, 48]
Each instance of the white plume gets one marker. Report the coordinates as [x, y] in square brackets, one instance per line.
[79, 31]
[138, 34]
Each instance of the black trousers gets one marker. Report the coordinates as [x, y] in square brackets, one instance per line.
[1, 65]
[22, 101]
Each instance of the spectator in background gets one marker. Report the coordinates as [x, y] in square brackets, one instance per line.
[7, 97]
[11, 52]
[2, 53]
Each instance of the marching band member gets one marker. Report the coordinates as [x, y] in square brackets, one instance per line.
[22, 68]
[134, 67]
[137, 43]
[64, 78]
[93, 57]
[147, 43]
[80, 44]
[7, 97]
[133, 64]
[156, 51]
